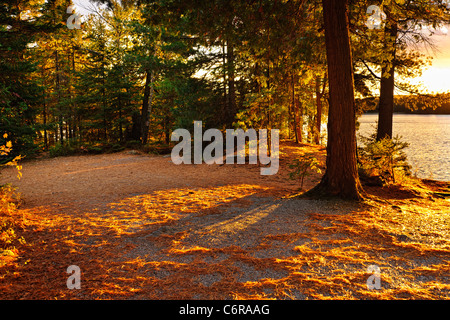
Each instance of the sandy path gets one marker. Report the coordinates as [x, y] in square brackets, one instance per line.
[100, 179]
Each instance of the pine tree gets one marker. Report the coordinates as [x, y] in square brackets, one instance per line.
[341, 176]
[388, 50]
[19, 91]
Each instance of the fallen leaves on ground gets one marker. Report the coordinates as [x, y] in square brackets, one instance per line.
[184, 243]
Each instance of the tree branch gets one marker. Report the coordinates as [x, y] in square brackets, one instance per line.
[370, 70]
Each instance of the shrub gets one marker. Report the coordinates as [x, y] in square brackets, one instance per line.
[5, 150]
[133, 144]
[115, 147]
[383, 158]
[59, 150]
[304, 167]
[9, 225]
[73, 147]
[8, 199]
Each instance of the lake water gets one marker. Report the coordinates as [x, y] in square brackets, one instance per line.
[429, 139]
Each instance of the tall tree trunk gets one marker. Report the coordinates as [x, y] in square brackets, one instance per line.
[231, 105]
[104, 101]
[167, 129]
[319, 95]
[58, 90]
[135, 133]
[294, 109]
[67, 128]
[299, 117]
[120, 118]
[105, 115]
[73, 96]
[387, 82]
[146, 105]
[80, 128]
[44, 115]
[225, 84]
[341, 175]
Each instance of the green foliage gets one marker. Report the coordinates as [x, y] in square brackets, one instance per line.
[19, 91]
[383, 158]
[247, 64]
[65, 149]
[304, 167]
[73, 147]
[16, 115]
[377, 51]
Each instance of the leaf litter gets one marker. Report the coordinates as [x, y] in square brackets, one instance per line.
[218, 232]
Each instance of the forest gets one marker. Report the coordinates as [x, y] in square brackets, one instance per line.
[130, 73]
[134, 71]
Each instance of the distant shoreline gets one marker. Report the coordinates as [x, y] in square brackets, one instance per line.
[418, 112]
[401, 107]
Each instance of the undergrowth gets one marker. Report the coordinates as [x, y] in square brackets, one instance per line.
[9, 225]
[73, 147]
[383, 160]
[8, 207]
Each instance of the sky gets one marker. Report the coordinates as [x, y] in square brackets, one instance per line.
[435, 78]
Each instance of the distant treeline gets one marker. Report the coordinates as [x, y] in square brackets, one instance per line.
[444, 109]
[405, 105]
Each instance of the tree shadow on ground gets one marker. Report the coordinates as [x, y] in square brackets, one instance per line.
[221, 243]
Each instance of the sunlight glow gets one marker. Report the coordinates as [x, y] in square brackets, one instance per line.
[435, 79]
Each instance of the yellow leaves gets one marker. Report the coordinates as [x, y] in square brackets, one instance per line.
[19, 172]
[9, 225]
[14, 163]
[195, 249]
[5, 150]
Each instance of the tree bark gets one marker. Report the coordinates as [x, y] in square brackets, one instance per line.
[74, 103]
[225, 85]
[294, 109]
[58, 90]
[135, 131]
[341, 175]
[104, 102]
[119, 102]
[299, 119]
[319, 95]
[44, 115]
[231, 103]
[146, 105]
[387, 82]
